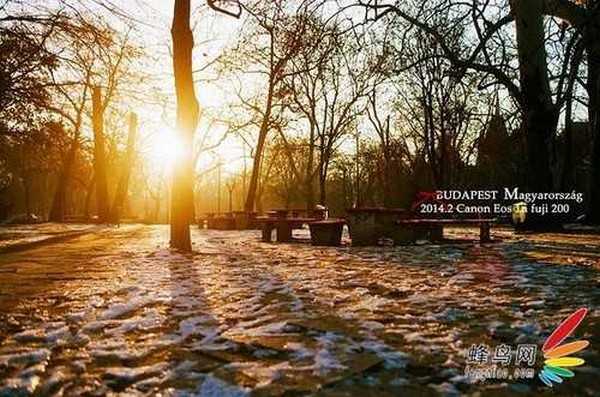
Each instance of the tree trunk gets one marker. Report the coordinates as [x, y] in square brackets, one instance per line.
[88, 197]
[123, 186]
[567, 180]
[387, 186]
[357, 165]
[309, 185]
[444, 161]
[156, 214]
[322, 184]
[387, 162]
[593, 88]
[310, 193]
[262, 136]
[102, 204]
[259, 194]
[27, 192]
[59, 203]
[182, 194]
[540, 115]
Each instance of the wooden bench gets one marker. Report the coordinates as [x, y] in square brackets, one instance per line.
[317, 213]
[224, 222]
[368, 225]
[283, 226]
[218, 221]
[433, 229]
[327, 232]
[244, 220]
[204, 220]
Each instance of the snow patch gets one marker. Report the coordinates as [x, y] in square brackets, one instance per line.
[25, 358]
[215, 387]
[117, 310]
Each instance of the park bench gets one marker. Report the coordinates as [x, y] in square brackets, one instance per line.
[284, 221]
[298, 213]
[326, 232]
[237, 220]
[283, 226]
[223, 222]
[433, 229]
[368, 225]
[244, 220]
[204, 220]
[214, 221]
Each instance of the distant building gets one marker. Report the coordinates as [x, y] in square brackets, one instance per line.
[496, 153]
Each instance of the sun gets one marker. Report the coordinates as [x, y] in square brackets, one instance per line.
[165, 147]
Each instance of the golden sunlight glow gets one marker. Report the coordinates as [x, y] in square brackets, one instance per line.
[165, 147]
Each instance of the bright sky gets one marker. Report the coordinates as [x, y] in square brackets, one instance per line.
[152, 19]
[156, 105]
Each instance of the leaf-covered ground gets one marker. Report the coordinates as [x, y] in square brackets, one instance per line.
[115, 311]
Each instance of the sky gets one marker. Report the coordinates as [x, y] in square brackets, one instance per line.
[212, 33]
[151, 22]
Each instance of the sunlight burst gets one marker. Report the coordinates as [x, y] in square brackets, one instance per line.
[165, 147]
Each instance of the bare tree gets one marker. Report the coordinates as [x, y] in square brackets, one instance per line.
[328, 89]
[85, 51]
[182, 195]
[128, 163]
[270, 40]
[101, 184]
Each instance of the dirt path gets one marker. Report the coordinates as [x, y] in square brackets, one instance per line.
[117, 311]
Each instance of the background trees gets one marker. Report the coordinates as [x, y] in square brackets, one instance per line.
[49, 86]
[524, 33]
[312, 102]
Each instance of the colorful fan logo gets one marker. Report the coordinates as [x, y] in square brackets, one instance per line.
[557, 357]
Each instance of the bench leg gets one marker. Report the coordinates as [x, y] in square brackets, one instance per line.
[436, 233]
[364, 230]
[484, 233]
[284, 233]
[405, 235]
[267, 230]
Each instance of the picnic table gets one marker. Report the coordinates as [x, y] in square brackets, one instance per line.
[284, 221]
[244, 220]
[298, 213]
[366, 226]
[283, 226]
[204, 220]
[369, 224]
[433, 229]
[224, 221]
[236, 220]
[326, 232]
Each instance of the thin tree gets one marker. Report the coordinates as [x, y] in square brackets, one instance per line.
[284, 43]
[128, 163]
[182, 195]
[102, 204]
